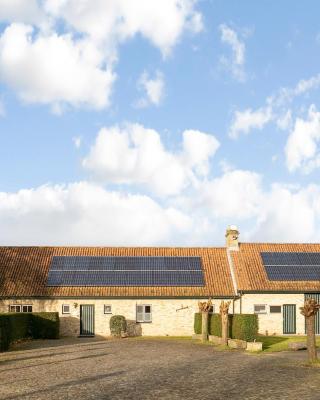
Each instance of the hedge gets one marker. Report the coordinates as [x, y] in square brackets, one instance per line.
[118, 324]
[16, 326]
[241, 326]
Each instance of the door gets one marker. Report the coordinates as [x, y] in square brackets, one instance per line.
[87, 320]
[315, 296]
[289, 319]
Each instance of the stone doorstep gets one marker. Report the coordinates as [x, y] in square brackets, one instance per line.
[254, 346]
[215, 339]
[297, 346]
[237, 344]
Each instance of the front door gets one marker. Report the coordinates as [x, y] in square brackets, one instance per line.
[87, 320]
[289, 319]
[315, 296]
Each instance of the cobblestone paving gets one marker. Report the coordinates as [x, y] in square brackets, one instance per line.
[151, 369]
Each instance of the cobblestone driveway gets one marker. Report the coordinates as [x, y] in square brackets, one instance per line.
[151, 369]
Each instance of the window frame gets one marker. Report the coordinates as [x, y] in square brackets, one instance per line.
[21, 307]
[63, 309]
[104, 309]
[260, 312]
[143, 320]
[275, 312]
[14, 305]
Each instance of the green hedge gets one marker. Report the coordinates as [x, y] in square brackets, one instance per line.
[241, 326]
[118, 324]
[15, 326]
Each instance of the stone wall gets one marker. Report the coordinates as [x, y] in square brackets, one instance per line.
[173, 317]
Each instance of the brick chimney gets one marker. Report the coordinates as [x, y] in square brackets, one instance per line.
[232, 236]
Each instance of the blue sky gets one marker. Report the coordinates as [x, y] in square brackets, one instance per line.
[158, 123]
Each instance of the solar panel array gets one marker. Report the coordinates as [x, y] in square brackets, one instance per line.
[287, 266]
[125, 271]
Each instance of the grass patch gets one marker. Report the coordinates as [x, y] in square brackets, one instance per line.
[280, 343]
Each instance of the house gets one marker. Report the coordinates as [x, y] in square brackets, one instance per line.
[157, 289]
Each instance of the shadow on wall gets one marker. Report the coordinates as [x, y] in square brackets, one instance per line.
[133, 328]
[69, 326]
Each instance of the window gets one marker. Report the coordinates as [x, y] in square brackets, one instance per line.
[65, 309]
[144, 313]
[212, 309]
[275, 309]
[260, 309]
[107, 309]
[20, 308]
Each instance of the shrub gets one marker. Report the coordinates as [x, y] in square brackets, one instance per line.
[118, 325]
[45, 325]
[244, 326]
[15, 326]
[241, 326]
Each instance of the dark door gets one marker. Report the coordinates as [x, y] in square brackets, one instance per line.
[315, 296]
[289, 319]
[87, 320]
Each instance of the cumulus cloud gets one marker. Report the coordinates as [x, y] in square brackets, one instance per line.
[86, 214]
[64, 53]
[52, 69]
[245, 121]
[136, 155]
[236, 62]
[302, 147]
[153, 89]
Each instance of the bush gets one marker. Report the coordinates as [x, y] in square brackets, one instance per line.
[245, 327]
[241, 326]
[118, 325]
[15, 326]
[45, 325]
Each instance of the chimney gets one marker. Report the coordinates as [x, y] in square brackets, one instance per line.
[232, 236]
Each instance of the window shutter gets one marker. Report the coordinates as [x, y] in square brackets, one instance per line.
[139, 313]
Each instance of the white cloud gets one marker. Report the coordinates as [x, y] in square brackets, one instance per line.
[284, 121]
[245, 121]
[236, 63]
[76, 67]
[302, 145]
[77, 141]
[86, 214]
[135, 155]
[153, 88]
[54, 69]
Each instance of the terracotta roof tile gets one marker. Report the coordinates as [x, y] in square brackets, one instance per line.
[24, 271]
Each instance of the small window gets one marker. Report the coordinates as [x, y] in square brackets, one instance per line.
[26, 308]
[260, 309]
[275, 309]
[15, 308]
[65, 309]
[144, 313]
[107, 309]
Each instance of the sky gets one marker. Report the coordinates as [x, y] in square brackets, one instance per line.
[159, 123]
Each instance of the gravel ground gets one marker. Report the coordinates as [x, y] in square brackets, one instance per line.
[151, 369]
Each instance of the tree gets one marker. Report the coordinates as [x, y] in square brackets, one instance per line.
[309, 310]
[204, 308]
[224, 310]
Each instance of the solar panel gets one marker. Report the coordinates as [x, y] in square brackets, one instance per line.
[287, 266]
[125, 271]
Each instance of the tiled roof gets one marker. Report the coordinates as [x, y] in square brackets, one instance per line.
[24, 272]
[250, 272]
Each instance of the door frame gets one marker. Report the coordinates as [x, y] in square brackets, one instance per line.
[93, 320]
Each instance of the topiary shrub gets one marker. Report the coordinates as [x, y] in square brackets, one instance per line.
[245, 327]
[197, 323]
[118, 325]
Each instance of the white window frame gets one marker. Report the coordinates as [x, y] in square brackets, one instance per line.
[63, 309]
[260, 312]
[20, 307]
[104, 309]
[275, 305]
[143, 316]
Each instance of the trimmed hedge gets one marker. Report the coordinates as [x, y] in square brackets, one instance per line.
[241, 326]
[118, 324]
[16, 326]
[245, 327]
